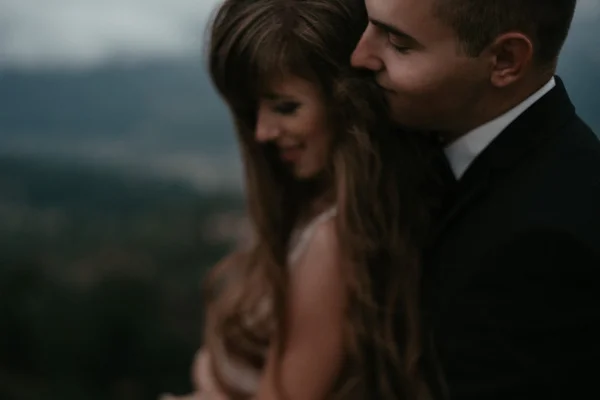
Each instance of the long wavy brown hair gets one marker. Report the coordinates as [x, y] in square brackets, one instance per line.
[381, 180]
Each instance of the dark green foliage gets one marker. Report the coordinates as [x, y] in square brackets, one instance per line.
[99, 281]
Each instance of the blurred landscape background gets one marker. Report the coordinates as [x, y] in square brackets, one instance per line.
[120, 186]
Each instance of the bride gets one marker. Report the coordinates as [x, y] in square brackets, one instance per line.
[339, 202]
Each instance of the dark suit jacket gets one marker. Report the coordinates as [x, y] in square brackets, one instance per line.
[512, 280]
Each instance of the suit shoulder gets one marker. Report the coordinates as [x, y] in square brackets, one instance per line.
[558, 185]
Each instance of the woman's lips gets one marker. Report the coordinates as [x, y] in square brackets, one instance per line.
[291, 154]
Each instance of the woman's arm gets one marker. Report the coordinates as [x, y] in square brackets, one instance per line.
[314, 346]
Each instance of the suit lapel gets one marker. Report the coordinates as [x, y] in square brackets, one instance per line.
[463, 194]
[539, 123]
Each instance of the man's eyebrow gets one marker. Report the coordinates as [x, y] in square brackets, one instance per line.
[393, 30]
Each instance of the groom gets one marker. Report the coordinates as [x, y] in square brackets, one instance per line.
[512, 279]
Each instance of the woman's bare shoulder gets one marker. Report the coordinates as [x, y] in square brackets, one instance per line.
[321, 266]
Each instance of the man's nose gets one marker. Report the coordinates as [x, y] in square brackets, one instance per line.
[365, 53]
[267, 128]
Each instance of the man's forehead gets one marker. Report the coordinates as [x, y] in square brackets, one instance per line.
[414, 17]
[398, 9]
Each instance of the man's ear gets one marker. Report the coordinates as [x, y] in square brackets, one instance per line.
[511, 57]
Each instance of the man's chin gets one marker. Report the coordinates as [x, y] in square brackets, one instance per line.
[406, 124]
[403, 123]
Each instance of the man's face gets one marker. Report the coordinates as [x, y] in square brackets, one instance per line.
[429, 82]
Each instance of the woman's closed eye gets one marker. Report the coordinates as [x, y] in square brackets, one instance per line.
[286, 107]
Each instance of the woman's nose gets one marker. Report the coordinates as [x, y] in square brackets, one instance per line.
[267, 128]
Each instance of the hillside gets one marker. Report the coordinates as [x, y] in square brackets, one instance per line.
[100, 275]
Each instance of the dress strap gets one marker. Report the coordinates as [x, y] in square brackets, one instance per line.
[305, 235]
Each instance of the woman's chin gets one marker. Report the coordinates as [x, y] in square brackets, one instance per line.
[303, 174]
[306, 173]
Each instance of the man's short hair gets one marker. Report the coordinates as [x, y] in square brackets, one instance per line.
[478, 22]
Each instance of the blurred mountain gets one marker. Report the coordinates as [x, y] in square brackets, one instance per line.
[167, 104]
[160, 118]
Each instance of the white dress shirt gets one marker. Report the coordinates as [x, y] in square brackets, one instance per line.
[462, 152]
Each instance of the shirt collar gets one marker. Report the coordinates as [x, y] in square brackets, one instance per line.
[462, 152]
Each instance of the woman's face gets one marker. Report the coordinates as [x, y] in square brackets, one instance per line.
[292, 115]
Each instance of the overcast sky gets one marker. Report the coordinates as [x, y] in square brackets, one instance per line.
[40, 33]
[87, 32]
